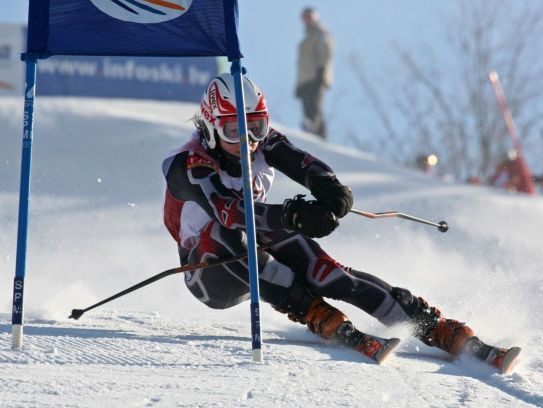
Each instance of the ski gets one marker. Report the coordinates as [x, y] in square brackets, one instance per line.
[385, 349]
[375, 348]
[504, 359]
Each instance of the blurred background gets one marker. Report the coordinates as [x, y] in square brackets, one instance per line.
[410, 80]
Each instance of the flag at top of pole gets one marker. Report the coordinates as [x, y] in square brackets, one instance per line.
[178, 28]
[134, 27]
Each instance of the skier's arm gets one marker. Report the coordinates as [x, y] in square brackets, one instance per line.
[194, 178]
[295, 163]
[308, 171]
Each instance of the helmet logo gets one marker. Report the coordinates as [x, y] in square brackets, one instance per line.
[143, 11]
[219, 102]
[208, 115]
[213, 96]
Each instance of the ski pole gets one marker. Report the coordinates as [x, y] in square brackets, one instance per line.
[77, 313]
[442, 226]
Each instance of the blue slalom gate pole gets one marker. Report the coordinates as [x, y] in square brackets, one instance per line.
[24, 190]
[256, 333]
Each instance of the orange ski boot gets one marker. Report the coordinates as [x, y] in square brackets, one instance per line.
[329, 323]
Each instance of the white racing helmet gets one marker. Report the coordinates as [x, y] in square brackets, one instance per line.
[219, 115]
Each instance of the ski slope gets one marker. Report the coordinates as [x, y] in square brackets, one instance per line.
[96, 228]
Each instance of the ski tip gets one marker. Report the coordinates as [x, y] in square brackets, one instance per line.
[510, 360]
[386, 350]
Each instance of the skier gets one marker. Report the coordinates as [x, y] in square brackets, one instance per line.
[204, 213]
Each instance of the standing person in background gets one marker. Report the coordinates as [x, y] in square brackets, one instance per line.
[314, 71]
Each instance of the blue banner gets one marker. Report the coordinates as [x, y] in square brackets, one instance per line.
[126, 77]
[134, 27]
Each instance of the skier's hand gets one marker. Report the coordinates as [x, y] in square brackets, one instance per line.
[334, 195]
[308, 217]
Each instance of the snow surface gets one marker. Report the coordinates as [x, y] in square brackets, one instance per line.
[96, 228]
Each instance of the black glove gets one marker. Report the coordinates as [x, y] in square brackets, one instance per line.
[333, 195]
[309, 217]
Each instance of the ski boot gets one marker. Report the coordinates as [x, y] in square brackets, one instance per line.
[449, 335]
[457, 338]
[331, 324]
[430, 327]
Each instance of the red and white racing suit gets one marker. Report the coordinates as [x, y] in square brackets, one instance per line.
[204, 213]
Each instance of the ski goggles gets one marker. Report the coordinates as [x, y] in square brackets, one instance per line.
[257, 127]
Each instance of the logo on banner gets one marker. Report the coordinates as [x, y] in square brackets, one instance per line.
[143, 11]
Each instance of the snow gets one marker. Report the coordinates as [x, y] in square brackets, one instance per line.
[96, 228]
